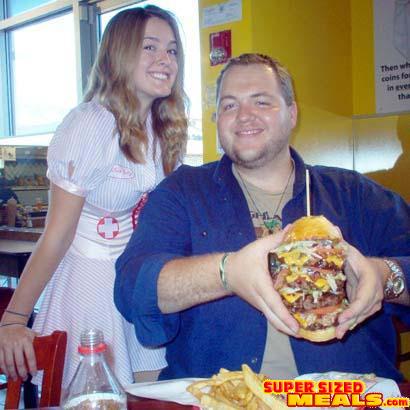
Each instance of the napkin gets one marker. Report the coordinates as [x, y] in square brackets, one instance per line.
[168, 390]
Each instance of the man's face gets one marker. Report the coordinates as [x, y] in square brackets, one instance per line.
[254, 123]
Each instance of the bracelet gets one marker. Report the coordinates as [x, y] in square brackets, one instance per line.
[16, 313]
[222, 273]
[13, 323]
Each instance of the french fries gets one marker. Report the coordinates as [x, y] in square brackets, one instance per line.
[235, 390]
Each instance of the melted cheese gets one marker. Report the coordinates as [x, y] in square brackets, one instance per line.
[322, 284]
[291, 297]
[337, 260]
[295, 257]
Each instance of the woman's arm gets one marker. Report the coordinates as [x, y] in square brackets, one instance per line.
[16, 340]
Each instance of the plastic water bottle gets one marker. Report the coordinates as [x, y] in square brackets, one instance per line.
[94, 385]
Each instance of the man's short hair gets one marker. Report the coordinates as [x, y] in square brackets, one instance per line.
[282, 74]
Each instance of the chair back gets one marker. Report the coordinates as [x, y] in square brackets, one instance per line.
[403, 352]
[50, 355]
[5, 297]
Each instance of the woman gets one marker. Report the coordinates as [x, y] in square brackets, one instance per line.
[105, 157]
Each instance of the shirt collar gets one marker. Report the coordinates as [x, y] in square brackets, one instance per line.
[223, 173]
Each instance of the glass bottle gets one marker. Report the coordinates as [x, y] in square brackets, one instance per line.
[94, 385]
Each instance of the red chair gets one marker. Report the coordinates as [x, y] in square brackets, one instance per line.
[5, 296]
[50, 355]
[402, 330]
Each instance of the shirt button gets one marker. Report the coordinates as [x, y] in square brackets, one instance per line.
[254, 360]
[204, 233]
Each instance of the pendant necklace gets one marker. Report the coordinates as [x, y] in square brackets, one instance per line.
[274, 224]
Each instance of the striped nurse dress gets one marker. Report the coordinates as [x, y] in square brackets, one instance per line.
[84, 159]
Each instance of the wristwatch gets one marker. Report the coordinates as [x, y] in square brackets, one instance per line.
[395, 282]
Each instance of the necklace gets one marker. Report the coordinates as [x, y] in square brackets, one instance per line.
[273, 224]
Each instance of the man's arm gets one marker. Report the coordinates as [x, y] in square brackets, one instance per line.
[191, 281]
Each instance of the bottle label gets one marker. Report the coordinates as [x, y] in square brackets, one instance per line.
[102, 401]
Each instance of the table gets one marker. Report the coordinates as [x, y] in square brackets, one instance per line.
[14, 255]
[138, 403]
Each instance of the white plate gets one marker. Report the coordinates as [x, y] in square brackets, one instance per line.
[168, 390]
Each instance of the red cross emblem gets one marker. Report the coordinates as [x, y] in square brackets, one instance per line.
[108, 227]
[138, 208]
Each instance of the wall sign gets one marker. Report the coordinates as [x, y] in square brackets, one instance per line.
[222, 13]
[392, 55]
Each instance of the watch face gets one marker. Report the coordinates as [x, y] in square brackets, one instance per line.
[398, 285]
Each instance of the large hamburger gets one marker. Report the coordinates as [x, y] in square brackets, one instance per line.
[307, 272]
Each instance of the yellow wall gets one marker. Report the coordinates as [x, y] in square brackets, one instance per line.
[313, 41]
[328, 48]
[241, 32]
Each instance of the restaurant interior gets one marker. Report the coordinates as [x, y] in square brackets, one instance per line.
[354, 110]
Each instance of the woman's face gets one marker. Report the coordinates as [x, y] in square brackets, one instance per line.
[157, 65]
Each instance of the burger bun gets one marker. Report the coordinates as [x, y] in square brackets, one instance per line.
[312, 227]
[321, 335]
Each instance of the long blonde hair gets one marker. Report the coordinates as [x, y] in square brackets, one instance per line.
[111, 82]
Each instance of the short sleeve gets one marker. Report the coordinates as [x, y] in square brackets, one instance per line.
[80, 149]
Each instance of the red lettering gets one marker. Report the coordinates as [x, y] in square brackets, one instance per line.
[348, 387]
[309, 387]
[287, 386]
[267, 386]
[323, 387]
[277, 387]
[299, 386]
[338, 387]
[358, 386]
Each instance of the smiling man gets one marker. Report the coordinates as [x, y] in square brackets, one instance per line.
[195, 277]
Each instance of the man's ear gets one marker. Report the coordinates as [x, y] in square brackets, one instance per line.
[293, 112]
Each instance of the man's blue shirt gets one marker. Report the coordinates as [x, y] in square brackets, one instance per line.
[200, 210]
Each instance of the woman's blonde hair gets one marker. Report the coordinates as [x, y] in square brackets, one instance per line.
[112, 83]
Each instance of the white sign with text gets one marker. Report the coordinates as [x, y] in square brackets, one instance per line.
[392, 55]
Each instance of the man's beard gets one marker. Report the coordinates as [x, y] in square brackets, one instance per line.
[257, 158]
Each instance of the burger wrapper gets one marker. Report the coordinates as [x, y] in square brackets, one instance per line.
[374, 384]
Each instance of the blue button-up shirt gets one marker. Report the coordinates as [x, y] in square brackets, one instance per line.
[200, 210]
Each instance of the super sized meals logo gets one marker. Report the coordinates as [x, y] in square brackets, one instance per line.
[330, 393]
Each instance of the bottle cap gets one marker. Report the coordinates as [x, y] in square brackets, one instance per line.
[92, 341]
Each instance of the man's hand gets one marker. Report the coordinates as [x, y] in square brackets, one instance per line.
[364, 286]
[248, 277]
[16, 349]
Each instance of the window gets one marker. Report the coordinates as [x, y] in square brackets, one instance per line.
[14, 7]
[43, 74]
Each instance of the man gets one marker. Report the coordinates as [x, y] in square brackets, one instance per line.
[193, 277]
